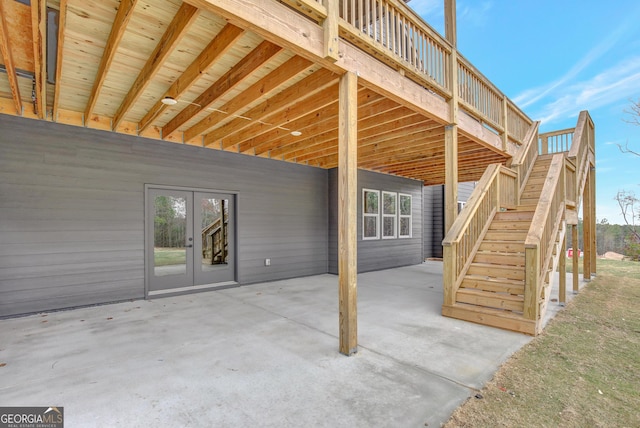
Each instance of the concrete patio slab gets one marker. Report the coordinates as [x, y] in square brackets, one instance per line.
[261, 355]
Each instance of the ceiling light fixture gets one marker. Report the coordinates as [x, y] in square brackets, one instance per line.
[296, 133]
[169, 101]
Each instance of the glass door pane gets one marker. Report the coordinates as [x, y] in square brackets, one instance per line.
[215, 238]
[169, 212]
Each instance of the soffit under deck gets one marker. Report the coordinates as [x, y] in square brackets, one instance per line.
[234, 90]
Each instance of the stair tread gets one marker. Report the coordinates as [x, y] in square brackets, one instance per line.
[499, 312]
[483, 293]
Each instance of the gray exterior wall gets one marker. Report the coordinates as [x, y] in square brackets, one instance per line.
[434, 216]
[72, 212]
[380, 253]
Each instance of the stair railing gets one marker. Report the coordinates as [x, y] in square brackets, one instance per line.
[547, 221]
[526, 157]
[497, 189]
[582, 152]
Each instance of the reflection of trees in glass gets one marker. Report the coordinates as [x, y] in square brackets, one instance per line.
[405, 205]
[371, 202]
[405, 226]
[389, 203]
[210, 211]
[370, 226]
[170, 222]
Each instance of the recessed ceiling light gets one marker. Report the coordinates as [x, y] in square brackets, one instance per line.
[169, 101]
[296, 133]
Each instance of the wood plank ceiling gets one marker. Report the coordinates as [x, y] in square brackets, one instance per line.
[117, 60]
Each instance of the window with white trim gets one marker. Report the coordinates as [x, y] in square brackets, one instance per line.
[405, 215]
[389, 215]
[370, 214]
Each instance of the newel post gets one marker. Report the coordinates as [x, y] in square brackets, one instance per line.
[532, 279]
[449, 274]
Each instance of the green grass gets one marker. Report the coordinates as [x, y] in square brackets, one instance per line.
[582, 371]
[169, 256]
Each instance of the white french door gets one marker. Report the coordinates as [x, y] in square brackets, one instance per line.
[190, 242]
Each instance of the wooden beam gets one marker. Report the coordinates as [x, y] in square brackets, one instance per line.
[238, 73]
[297, 33]
[5, 48]
[220, 45]
[261, 89]
[62, 24]
[348, 214]
[125, 11]
[175, 32]
[311, 123]
[39, 29]
[307, 87]
[284, 117]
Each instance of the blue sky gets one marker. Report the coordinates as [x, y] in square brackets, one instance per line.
[555, 58]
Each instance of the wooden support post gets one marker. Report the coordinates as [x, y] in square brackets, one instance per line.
[562, 269]
[451, 149]
[586, 229]
[450, 30]
[576, 258]
[594, 246]
[450, 176]
[505, 123]
[330, 26]
[348, 212]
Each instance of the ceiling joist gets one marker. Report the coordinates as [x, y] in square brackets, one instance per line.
[243, 69]
[7, 54]
[175, 32]
[123, 16]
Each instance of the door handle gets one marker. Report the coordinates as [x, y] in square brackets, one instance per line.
[189, 246]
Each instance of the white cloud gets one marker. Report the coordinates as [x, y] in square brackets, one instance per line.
[474, 13]
[533, 95]
[427, 8]
[611, 85]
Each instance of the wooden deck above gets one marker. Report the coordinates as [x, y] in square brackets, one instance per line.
[259, 78]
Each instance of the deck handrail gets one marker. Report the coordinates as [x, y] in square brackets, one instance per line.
[526, 156]
[547, 219]
[395, 34]
[581, 151]
[496, 189]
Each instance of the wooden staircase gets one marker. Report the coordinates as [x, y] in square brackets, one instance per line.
[501, 252]
[492, 290]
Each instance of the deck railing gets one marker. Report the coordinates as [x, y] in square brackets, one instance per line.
[525, 158]
[556, 141]
[574, 150]
[496, 189]
[547, 219]
[392, 32]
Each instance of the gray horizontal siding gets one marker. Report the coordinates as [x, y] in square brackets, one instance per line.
[72, 212]
[380, 253]
[434, 215]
